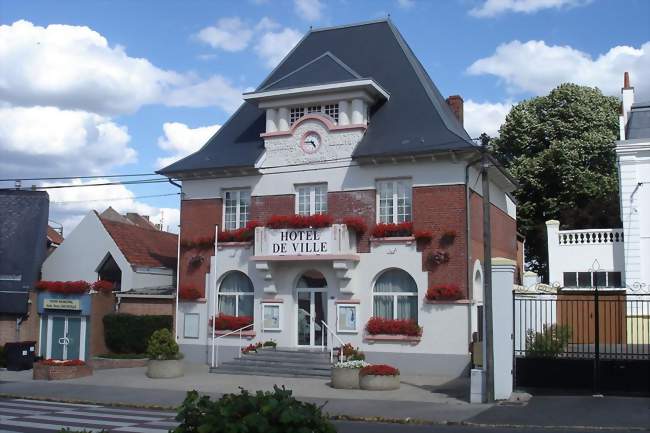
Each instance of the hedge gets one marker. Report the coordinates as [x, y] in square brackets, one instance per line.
[128, 333]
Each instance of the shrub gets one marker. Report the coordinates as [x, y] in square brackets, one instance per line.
[127, 333]
[377, 325]
[225, 322]
[379, 370]
[189, 293]
[351, 353]
[299, 221]
[162, 346]
[550, 342]
[356, 223]
[268, 411]
[392, 230]
[446, 292]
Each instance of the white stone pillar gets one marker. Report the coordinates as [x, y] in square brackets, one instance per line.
[358, 111]
[344, 113]
[283, 119]
[503, 277]
[553, 242]
[271, 119]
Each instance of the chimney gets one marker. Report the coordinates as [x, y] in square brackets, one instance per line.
[456, 104]
[627, 96]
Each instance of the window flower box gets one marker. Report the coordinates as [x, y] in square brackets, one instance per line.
[225, 322]
[404, 229]
[52, 369]
[444, 292]
[299, 221]
[103, 286]
[356, 224]
[65, 287]
[397, 327]
[188, 293]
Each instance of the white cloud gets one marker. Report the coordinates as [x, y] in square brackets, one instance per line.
[214, 91]
[50, 141]
[491, 8]
[75, 68]
[69, 205]
[406, 4]
[485, 117]
[537, 68]
[229, 34]
[309, 10]
[273, 46]
[182, 140]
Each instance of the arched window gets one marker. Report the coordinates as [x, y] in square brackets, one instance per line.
[235, 295]
[395, 296]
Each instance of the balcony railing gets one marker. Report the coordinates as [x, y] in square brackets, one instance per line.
[590, 237]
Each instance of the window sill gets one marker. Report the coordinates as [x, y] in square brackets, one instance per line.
[245, 334]
[392, 338]
[222, 245]
[394, 240]
[448, 301]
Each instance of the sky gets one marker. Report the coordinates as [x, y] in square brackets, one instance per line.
[99, 88]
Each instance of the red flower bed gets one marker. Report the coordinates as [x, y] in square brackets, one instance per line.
[379, 370]
[392, 230]
[377, 325]
[356, 223]
[103, 286]
[225, 322]
[444, 292]
[65, 287]
[67, 363]
[189, 293]
[299, 221]
[423, 235]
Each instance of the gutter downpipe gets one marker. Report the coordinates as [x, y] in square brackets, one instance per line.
[468, 243]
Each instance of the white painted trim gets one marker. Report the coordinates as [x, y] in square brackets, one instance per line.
[338, 315]
[48, 347]
[82, 339]
[300, 91]
[280, 308]
[312, 312]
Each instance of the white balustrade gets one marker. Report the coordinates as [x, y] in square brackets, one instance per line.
[590, 237]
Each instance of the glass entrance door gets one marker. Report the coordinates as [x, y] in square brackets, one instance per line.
[66, 338]
[312, 311]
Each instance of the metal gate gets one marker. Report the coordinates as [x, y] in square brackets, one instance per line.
[583, 340]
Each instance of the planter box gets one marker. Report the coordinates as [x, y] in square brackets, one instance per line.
[60, 372]
[345, 378]
[167, 369]
[99, 363]
[371, 382]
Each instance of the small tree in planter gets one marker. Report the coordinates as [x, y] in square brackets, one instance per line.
[380, 377]
[165, 360]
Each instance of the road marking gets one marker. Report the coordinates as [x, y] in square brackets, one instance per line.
[15, 411]
[79, 420]
[140, 418]
[141, 430]
[54, 402]
[132, 411]
[43, 426]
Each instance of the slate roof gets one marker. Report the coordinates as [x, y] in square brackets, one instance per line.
[142, 246]
[638, 125]
[416, 118]
[54, 236]
[23, 234]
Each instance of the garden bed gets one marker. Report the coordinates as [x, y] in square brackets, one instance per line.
[61, 370]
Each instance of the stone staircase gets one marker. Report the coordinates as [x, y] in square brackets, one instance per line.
[279, 362]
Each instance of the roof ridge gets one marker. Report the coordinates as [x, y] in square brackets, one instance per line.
[357, 24]
[135, 226]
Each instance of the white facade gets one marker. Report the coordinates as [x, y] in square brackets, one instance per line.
[83, 251]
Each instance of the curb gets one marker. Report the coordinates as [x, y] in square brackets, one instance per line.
[353, 418]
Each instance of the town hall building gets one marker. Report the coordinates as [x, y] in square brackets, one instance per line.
[341, 203]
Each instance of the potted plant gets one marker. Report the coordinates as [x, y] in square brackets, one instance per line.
[380, 377]
[345, 374]
[165, 360]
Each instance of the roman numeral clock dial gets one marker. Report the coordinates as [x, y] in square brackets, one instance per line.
[310, 142]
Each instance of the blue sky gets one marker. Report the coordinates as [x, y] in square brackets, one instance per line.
[125, 86]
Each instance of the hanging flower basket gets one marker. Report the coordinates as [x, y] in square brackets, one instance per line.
[438, 257]
[195, 261]
[356, 224]
[447, 238]
[423, 236]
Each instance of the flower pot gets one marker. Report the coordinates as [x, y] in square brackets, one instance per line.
[372, 382]
[345, 378]
[167, 369]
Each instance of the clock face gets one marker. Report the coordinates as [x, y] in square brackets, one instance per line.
[310, 142]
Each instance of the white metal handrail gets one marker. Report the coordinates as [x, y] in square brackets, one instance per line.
[322, 340]
[215, 346]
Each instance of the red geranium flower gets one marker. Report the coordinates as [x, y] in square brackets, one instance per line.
[379, 370]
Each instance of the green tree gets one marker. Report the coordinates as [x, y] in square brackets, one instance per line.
[560, 149]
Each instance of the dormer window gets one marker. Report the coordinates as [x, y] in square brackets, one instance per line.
[331, 110]
[296, 113]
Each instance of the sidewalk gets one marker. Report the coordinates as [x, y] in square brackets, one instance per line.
[423, 398]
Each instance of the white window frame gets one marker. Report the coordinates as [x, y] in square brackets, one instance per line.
[238, 209]
[235, 294]
[277, 305]
[339, 307]
[311, 189]
[395, 216]
[394, 295]
[194, 316]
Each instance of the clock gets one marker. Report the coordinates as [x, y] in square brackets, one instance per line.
[310, 142]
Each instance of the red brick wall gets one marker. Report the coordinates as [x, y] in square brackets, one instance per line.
[262, 207]
[354, 203]
[101, 304]
[198, 220]
[147, 307]
[504, 231]
[28, 330]
[440, 209]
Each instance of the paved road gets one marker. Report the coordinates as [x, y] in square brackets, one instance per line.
[360, 427]
[22, 416]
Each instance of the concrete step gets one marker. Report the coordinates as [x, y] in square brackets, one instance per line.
[234, 368]
[279, 362]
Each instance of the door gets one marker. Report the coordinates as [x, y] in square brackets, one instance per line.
[57, 342]
[66, 338]
[73, 336]
[312, 311]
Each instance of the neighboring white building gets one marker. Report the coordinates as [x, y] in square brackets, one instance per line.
[623, 255]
